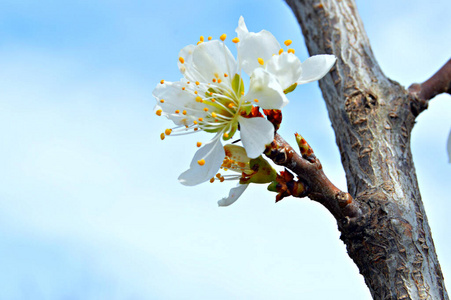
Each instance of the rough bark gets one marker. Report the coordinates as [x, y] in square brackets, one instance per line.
[373, 117]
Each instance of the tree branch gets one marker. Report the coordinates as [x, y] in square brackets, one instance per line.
[439, 83]
[319, 188]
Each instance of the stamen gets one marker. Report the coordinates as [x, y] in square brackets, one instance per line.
[260, 61]
[199, 42]
[214, 115]
[219, 80]
[199, 99]
[201, 119]
[195, 122]
[288, 42]
[212, 180]
[256, 100]
[218, 175]
[209, 38]
[162, 136]
[162, 101]
[184, 112]
[201, 162]
[231, 105]
[158, 112]
[223, 37]
[291, 50]
[195, 92]
[235, 40]
[162, 81]
[177, 111]
[225, 75]
[197, 83]
[199, 144]
[214, 80]
[181, 60]
[226, 135]
[201, 38]
[205, 109]
[168, 131]
[280, 51]
[183, 88]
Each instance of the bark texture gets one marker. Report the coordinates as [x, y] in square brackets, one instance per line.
[372, 117]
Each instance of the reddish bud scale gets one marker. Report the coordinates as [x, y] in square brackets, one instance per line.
[274, 116]
[286, 186]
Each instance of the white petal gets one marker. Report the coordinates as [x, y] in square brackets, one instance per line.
[237, 154]
[177, 99]
[187, 54]
[266, 89]
[241, 30]
[210, 60]
[234, 194]
[213, 154]
[253, 46]
[255, 134]
[286, 67]
[449, 147]
[315, 67]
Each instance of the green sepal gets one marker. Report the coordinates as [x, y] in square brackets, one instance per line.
[290, 88]
[265, 173]
[238, 85]
[272, 187]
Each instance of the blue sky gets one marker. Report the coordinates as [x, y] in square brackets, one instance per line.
[90, 206]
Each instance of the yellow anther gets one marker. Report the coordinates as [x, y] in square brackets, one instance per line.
[201, 119]
[181, 60]
[188, 82]
[256, 100]
[226, 135]
[212, 180]
[177, 111]
[201, 162]
[201, 38]
[199, 99]
[214, 115]
[218, 175]
[214, 80]
[162, 101]
[197, 83]
[219, 80]
[205, 109]
[291, 50]
[225, 75]
[199, 144]
[183, 88]
[223, 37]
[209, 38]
[195, 122]
[260, 61]
[231, 105]
[199, 42]
[196, 129]
[211, 93]
[242, 93]
[235, 40]
[162, 136]
[221, 179]
[195, 92]
[280, 51]
[168, 131]
[212, 99]
[184, 112]
[288, 42]
[162, 81]
[158, 112]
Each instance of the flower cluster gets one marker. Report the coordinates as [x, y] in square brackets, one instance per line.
[211, 97]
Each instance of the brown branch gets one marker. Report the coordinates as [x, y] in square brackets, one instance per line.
[319, 188]
[439, 83]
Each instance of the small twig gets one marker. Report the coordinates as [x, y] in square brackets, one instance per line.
[309, 170]
[439, 83]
